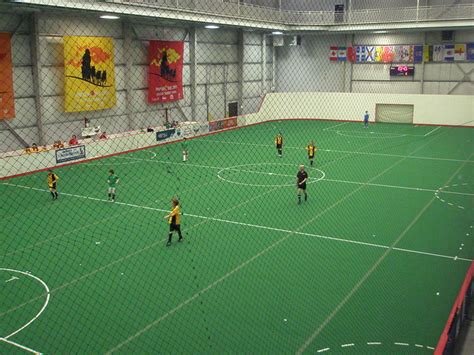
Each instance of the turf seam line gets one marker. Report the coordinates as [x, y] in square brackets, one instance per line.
[343, 151]
[325, 179]
[246, 262]
[380, 260]
[282, 230]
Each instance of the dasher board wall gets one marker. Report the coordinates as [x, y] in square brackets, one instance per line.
[452, 110]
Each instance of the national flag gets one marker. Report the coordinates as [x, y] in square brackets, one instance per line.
[470, 51]
[378, 53]
[388, 54]
[370, 54]
[460, 52]
[438, 53]
[351, 55]
[418, 55]
[361, 55]
[342, 54]
[449, 52]
[427, 53]
[333, 53]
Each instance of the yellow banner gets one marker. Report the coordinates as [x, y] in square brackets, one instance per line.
[7, 102]
[89, 73]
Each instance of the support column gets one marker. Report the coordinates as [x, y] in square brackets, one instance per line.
[37, 79]
[192, 70]
[127, 45]
[422, 83]
[264, 64]
[240, 56]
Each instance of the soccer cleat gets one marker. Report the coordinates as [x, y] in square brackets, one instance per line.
[168, 243]
[180, 240]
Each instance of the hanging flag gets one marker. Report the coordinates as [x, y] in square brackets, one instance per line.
[7, 100]
[388, 54]
[438, 52]
[370, 53]
[405, 54]
[333, 53]
[427, 53]
[165, 71]
[378, 53]
[418, 54]
[470, 51]
[460, 52]
[89, 73]
[449, 52]
[351, 55]
[342, 54]
[361, 55]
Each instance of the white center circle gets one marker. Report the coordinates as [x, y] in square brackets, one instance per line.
[245, 168]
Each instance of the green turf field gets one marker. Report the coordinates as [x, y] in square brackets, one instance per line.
[371, 263]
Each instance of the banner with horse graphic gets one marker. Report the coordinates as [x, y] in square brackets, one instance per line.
[89, 73]
[165, 71]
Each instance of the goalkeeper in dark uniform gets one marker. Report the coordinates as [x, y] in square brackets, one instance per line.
[301, 179]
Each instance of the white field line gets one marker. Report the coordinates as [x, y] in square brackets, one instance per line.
[364, 278]
[337, 125]
[246, 262]
[48, 295]
[374, 343]
[433, 130]
[402, 344]
[19, 346]
[257, 226]
[347, 345]
[340, 151]
[323, 350]
[325, 179]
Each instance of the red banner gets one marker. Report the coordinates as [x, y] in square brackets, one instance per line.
[165, 71]
[222, 124]
[7, 104]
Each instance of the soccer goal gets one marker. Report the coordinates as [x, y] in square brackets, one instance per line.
[390, 113]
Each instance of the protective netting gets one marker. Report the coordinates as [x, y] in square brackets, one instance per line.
[196, 117]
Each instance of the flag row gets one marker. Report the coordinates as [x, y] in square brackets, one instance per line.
[403, 54]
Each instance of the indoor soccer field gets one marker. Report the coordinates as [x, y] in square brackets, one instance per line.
[371, 263]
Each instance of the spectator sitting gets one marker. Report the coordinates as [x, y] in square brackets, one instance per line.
[34, 148]
[150, 129]
[58, 144]
[103, 135]
[73, 140]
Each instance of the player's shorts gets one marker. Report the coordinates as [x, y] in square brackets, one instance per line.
[112, 190]
[301, 186]
[310, 156]
[175, 227]
[279, 146]
[53, 186]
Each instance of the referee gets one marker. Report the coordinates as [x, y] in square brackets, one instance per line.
[301, 179]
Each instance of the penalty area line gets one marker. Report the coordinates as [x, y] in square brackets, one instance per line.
[20, 346]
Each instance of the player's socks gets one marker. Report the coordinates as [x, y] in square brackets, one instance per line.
[311, 162]
[56, 195]
[299, 199]
[52, 194]
[168, 243]
[113, 197]
[306, 197]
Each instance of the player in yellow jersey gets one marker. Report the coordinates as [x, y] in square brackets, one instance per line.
[52, 184]
[174, 220]
[311, 149]
[279, 144]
